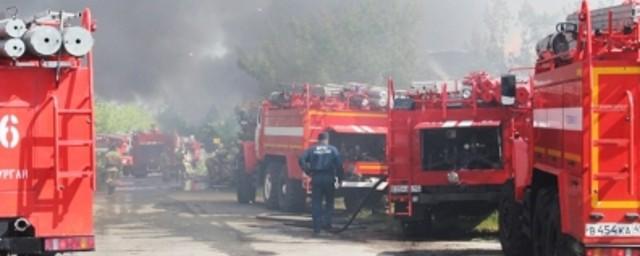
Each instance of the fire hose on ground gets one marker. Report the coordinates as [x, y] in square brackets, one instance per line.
[298, 221]
[360, 206]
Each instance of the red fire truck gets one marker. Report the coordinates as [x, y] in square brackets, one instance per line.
[582, 194]
[290, 121]
[152, 151]
[451, 149]
[47, 166]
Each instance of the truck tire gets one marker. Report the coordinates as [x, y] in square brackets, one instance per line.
[512, 226]
[548, 238]
[245, 188]
[546, 223]
[271, 186]
[292, 194]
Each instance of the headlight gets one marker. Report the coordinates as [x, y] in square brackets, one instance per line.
[398, 189]
[466, 93]
[453, 177]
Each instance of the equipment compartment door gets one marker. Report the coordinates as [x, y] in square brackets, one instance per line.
[614, 136]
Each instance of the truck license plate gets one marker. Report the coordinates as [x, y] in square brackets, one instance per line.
[613, 230]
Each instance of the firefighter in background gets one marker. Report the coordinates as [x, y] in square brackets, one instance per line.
[323, 164]
[220, 163]
[113, 164]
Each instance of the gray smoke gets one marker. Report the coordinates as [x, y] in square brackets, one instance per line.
[183, 53]
[162, 52]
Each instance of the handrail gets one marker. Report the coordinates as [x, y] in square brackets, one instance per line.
[56, 144]
[632, 129]
[89, 24]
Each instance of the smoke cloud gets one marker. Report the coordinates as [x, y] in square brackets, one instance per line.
[184, 53]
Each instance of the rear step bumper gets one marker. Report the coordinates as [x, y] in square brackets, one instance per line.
[608, 250]
[22, 245]
[38, 245]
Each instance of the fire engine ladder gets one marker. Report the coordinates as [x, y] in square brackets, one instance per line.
[60, 143]
[628, 172]
[400, 127]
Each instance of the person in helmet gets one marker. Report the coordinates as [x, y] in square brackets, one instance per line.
[323, 164]
[113, 166]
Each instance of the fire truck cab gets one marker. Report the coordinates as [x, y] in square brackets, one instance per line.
[152, 151]
[451, 149]
[355, 117]
[582, 196]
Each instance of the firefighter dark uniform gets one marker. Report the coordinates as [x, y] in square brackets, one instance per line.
[323, 164]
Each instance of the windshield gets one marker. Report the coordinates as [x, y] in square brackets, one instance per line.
[461, 148]
[359, 147]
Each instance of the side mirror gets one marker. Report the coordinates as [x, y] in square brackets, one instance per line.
[508, 88]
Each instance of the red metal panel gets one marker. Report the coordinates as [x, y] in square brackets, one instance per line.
[407, 131]
[27, 169]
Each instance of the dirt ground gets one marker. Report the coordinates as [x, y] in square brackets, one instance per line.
[149, 217]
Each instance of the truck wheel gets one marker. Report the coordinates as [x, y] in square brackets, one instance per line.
[292, 194]
[245, 188]
[271, 186]
[512, 226]
[546, 223]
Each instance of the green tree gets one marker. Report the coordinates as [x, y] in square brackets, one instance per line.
[335, 41]
[498, 21]
[533, 26]
[114, 117]
[170, 120]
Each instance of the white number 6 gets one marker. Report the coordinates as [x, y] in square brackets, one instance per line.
[9, 135]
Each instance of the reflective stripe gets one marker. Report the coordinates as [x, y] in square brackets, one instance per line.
[569, 119]
[367, 128]
[449, 124]
[466, 123]
[296, 131]
[357, 129]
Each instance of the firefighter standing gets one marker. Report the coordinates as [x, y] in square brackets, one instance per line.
[323, 164]
[113, 165]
